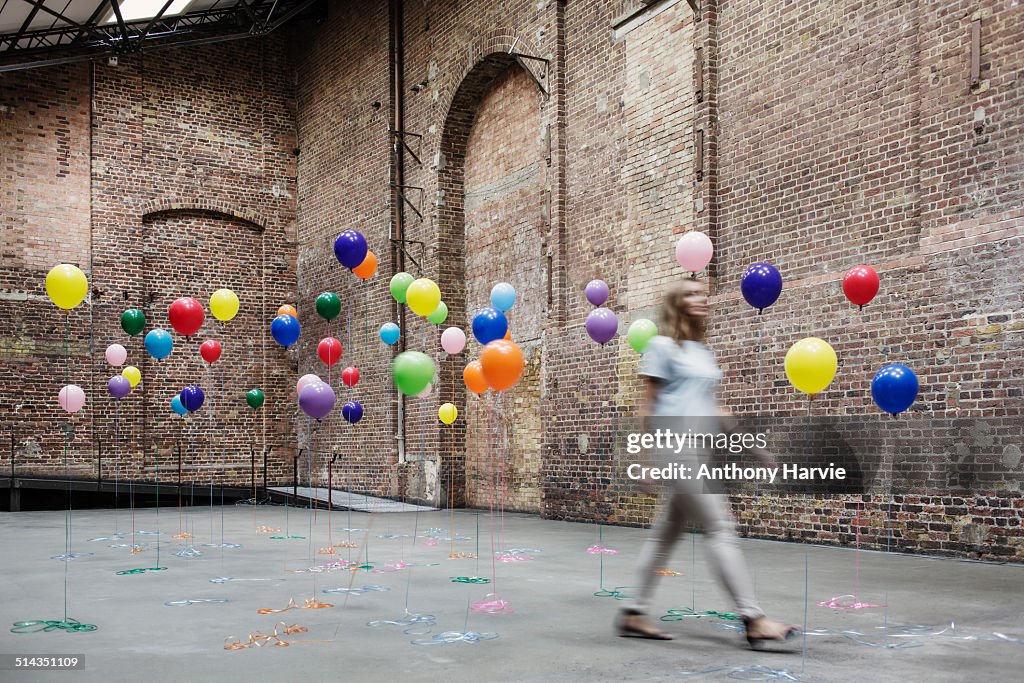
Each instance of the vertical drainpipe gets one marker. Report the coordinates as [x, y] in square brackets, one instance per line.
[397, 179]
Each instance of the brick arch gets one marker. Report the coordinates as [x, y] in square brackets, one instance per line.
[168, 204]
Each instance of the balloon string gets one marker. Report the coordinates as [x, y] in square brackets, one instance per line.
[67, 472]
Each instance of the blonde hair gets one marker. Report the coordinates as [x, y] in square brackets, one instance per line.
[676, 322]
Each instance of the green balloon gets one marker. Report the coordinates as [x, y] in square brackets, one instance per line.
[640, 334]
[254, 398]
[133, 321]
[440, 313]
[399, 284]
[412, 372]
[328, 305]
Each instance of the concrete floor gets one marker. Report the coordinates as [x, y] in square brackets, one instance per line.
[559, 632]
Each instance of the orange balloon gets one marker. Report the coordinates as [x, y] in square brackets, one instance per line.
[508, 335]
[502, 363]
[366, 269]
[473, 376]
[288, 309]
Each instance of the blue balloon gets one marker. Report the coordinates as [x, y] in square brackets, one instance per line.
[192, 398]
[894, 388]
[285, 329]
[489, 324]
[503, 296]
[352, 411]
[350, 248]
[761, 285]
[177, 406]
[159, 343]
[389, 333]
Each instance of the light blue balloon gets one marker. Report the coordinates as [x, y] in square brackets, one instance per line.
[503, 296]
[389, 333]
[177, 406]
[159, 343]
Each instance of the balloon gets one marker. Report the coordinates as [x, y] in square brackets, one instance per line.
[602, 325]
[811, 364]
[761, 285]
[508, 335]
[116, 355]
[860, 285]
[159, 343]
[350, 376]
[255, 398]
[119, 386]
[352, 411]
[305, 380]
[473, 377]
[186, 316]
[502, 362]
[440, 313]
[503, 296]
[693, 251]
[447, 413]
[328, 305]
[366, 269]
[317, 400]
[192, 398]
[640, 333]
[285, 330]
[66, 285]
[210, 350]
[389, 333]
[412, 372]
[400, 286]
[288, 309]
[177, 406]
[489, 324]
[453, 340]
[596, 292]
[423, 296]
[329, 350]
[350, 248]
[894, 388]
[133, 375]
[71, 398]
[133, 321]
[224, 305]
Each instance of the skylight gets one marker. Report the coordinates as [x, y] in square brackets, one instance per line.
[139, 10]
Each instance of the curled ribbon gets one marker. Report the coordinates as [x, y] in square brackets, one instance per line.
[140, 570]
[112, 537]
[327, 551]
[309, 603]
[449, 637]
[470, 579]
[744, 673]
[38, 625]
[189, 552]
[356, 591]
[194, 601]
[522, 551]
[619, 593]
[282, 538]
[346, 544]
[461, 556]
[841, 602]
[680, 614]
[225, 579]
[601, 550]
[667, 572]
[182, 535]
[148, 533]
[390, 536]
[430, 543]
[393, 567]
[492, 604]
[264, 530]
[414, 624]
[258, 639]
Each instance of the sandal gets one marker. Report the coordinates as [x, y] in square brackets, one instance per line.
[778, 635]
[644, 629]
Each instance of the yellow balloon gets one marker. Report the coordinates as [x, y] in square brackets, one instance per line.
[811, 364]
[224, 304]
[423, 296]
[66, 285]
[133, 375]
[447, 413]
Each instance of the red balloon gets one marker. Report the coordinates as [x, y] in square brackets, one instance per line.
[350, 376]
[210, 351]
[860, 284]
[329, 350]
[186, 315]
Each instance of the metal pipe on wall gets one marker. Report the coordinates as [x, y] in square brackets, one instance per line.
[397, 156]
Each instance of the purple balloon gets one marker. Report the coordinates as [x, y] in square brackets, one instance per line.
[602, 325]
[597, 292]
[119, 386]
[316, 400]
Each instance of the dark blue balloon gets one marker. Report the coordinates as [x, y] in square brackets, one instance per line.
[285, 329]
[192, 398]
[350, 248]
[489, 324]
[352, 411]
[894, 388]
[159, 343]
[761, 285]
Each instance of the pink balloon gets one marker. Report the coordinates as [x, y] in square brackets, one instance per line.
[71, 398]
[453, 340]
[305, 381]
[116, 355]
[694, 250]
